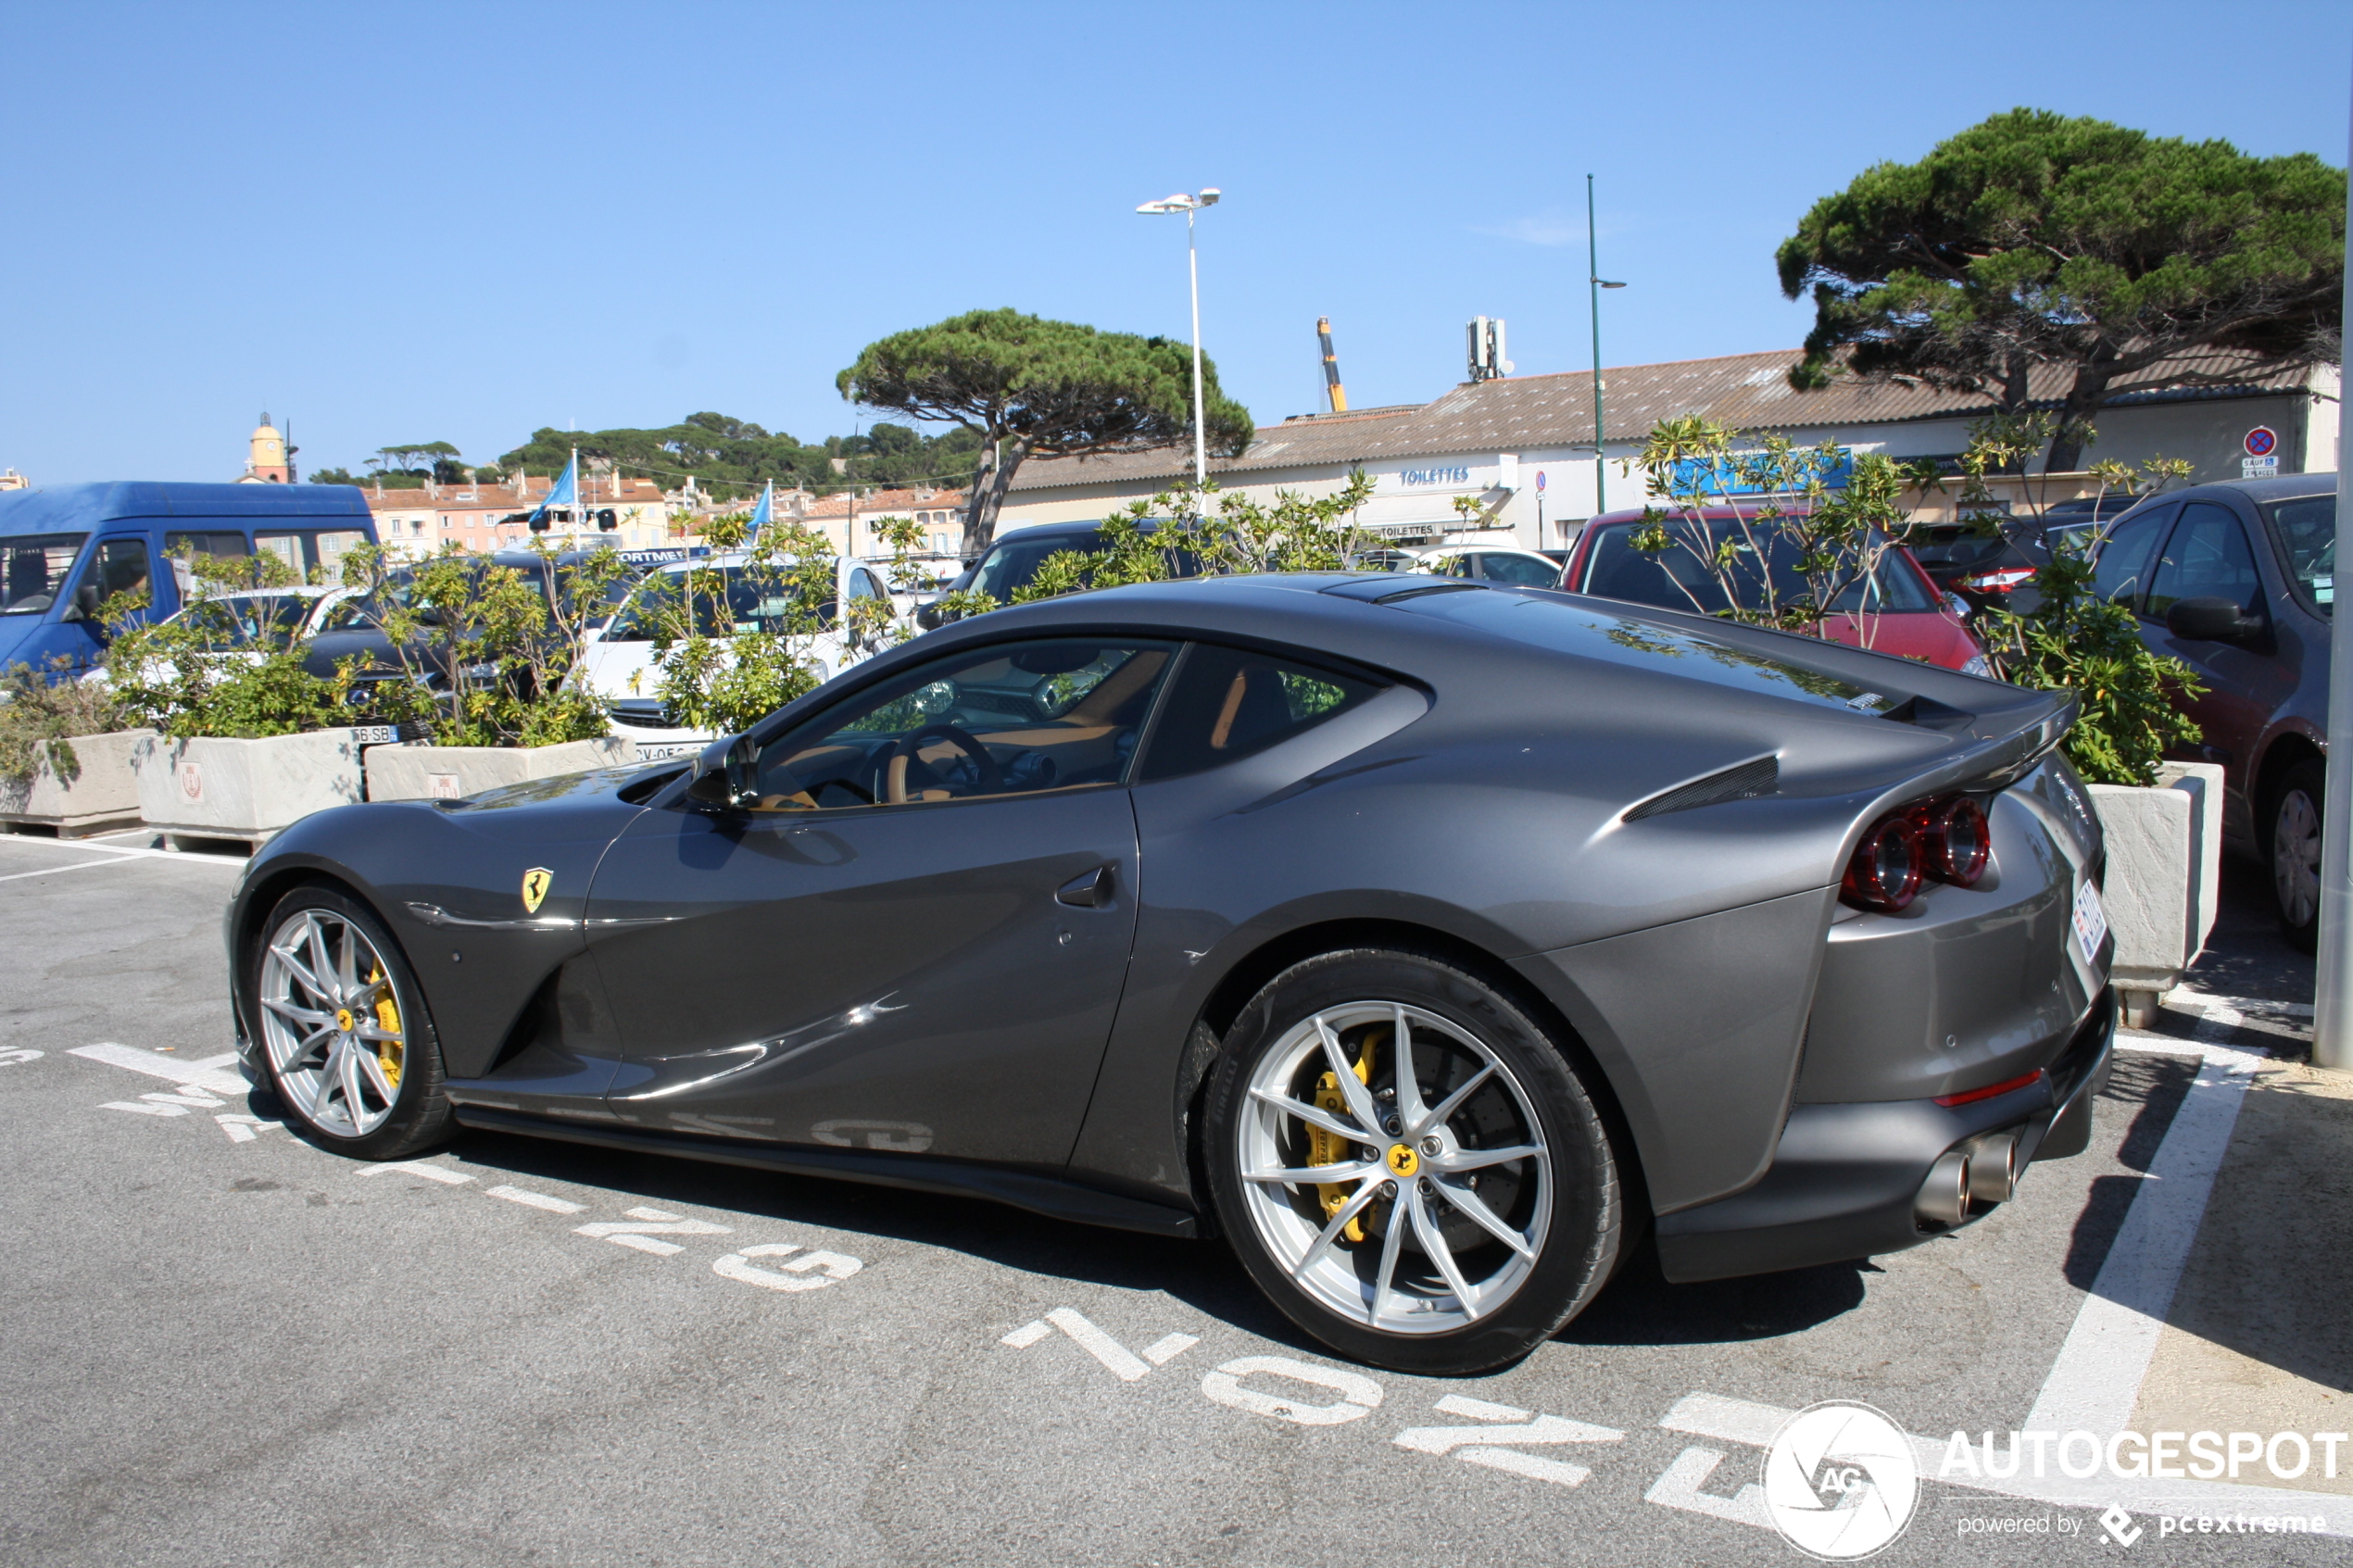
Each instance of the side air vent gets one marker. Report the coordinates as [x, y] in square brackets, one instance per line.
[1743, 783]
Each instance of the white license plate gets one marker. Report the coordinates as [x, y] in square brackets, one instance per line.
[2091, 922]
[663, 752]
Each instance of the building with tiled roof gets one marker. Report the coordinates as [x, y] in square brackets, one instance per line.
[1524, 446]
[480, 518]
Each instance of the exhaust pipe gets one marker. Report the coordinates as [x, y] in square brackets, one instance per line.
[1993, 1169]
[1944, 1196]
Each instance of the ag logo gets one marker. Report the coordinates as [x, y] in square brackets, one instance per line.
[535, 887]
[1840, 1481]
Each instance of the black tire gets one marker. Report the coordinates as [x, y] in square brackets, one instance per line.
[1580, 1246]
[2293, 855]
[419, 1115]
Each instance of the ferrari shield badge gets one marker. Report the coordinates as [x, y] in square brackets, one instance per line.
[535, 887]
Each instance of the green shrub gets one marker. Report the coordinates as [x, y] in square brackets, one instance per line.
[38, 717]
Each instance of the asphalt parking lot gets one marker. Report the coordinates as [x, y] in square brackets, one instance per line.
[225, 1345]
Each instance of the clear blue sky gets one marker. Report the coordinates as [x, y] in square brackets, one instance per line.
[420, 223]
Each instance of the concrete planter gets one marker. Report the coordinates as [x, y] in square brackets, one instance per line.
[247, 789]
[453, 773]
[2164, 875]
[103, 791]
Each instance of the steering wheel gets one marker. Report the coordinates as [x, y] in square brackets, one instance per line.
[992, 778]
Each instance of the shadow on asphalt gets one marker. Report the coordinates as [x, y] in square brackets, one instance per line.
[1640, 1306]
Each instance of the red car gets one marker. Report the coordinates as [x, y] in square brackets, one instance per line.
[1900, 610]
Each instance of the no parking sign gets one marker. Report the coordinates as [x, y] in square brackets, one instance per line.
[2262, 457]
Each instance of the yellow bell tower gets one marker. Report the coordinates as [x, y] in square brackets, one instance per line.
[266, 464]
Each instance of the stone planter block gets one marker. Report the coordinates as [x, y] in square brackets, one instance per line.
[103, 792]
[454, 773]
[247, 789]
[2203, 782]
[2164, 869]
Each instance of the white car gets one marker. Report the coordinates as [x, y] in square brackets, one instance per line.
[618, 661]
[1491, 563]
[249, 624]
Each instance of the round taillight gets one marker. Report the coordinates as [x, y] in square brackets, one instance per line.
[1958, 839]
[1886, 871]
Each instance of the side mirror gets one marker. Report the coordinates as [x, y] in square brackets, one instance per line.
[2208, 620]
[723, 778]
[85, 606]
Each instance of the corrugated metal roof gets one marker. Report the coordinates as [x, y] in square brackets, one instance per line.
[1749, 392]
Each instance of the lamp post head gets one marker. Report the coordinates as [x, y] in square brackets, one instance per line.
[1181, 202]
[1607, 284]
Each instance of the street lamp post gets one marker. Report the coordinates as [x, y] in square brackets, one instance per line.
[1593, 277]
[1189, 205]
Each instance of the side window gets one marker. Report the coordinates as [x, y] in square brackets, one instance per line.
[223, 544]
[1012, 719]
[121, 568]
[287, 548]
[2206, 556]
[1521, 571]
[1229, 703]
[2122, 570]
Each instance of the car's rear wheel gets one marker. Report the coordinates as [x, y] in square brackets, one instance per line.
[1407, 1165]
[344, 1032]
[2295, 852]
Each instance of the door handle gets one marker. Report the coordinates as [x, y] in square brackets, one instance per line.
[1089, 892]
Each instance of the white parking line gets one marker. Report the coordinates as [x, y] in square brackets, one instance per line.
[215, 1072]
[424, 1168]
[1121, 1362]
[2096, 1379]
[61, 871]
[536, 1200]
[127, 851]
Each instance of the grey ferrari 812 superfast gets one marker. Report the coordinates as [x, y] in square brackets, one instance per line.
[1434, 942]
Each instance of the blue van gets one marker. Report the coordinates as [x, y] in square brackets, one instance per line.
[65, 550]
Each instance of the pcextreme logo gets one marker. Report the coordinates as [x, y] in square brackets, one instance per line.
[1840, 1481]
[2119, 1526]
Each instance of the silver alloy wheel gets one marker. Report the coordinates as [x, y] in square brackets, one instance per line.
[332, 1023]
[2295, 857]
[1396, 1175]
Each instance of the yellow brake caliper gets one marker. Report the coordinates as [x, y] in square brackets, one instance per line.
[1331, 1148]
[388, 1020]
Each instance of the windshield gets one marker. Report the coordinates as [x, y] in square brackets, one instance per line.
[267, 622]
[33, 568]
[2307, 531]
[1674, 578]
[1011, 564]
[752, 600]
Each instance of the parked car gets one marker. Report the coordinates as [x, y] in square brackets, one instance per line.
[2237, 579]
[1899, 609]
[1492, 563]
[246, 624]
[1011, 563]
[352, 625]
[65, 550]
[254, 621]
[1784, 952]
[618, 663]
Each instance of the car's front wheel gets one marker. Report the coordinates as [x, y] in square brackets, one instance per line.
[1407, 1165]
[344, 1032]
[2295, 852]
